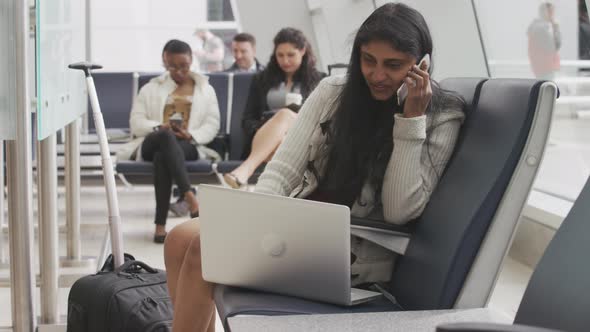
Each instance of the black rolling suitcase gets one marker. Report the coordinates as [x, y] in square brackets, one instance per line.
[126, 294]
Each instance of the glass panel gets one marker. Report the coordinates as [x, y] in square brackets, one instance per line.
[227, 36]
[60, 41]
[541, 34]
[219, 10]
[547, 40]
[7, 59]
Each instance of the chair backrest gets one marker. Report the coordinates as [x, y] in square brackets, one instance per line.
[144, 78]
[558, 294]
[241, 89]
[221, 84]
[448, 235]
[115, 93]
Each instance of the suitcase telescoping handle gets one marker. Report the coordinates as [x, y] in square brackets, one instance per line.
[107, 164]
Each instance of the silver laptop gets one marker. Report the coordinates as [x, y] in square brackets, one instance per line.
[278, 244]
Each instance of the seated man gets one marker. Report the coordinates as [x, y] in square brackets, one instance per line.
[243, 48]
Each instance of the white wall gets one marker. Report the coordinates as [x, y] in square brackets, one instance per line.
[335, 23]
[129, 34]
[264, 18]
[457, 48]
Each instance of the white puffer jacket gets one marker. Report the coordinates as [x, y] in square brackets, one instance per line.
[148, 112]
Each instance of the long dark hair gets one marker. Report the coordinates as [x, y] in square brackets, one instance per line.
[306, 75]
[360, 139]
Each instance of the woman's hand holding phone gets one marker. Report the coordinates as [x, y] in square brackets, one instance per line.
[419, 89]
[180, 132]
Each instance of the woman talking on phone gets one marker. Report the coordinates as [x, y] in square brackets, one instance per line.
[173, 117]
[354, 143]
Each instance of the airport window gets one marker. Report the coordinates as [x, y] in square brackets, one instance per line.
[549, 40]
[219, 10]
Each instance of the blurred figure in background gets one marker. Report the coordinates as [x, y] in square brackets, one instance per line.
[584, 31]
[209, 51]
[544, 43]
[243, 47]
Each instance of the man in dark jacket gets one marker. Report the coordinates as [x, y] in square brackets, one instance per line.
[244, 50]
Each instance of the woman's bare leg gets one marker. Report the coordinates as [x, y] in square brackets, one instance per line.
[175, 248]
[265, 142]
[192, 296]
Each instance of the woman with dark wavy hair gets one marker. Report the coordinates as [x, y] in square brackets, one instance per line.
[276, 94]
[354, 143]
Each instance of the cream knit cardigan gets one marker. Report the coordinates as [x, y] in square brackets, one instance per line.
[410, 177]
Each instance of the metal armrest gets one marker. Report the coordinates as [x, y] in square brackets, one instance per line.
[392, 237]
[490, 327]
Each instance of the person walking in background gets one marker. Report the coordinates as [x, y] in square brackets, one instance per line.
[243, 48]
[209, 51]
[275, 96]
[544, 42]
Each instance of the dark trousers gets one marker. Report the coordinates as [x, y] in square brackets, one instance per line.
[168, 155]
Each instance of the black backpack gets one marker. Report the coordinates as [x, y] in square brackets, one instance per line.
[132, 297]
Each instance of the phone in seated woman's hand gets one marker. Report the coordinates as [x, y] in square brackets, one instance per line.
[175, 121]
[293, 99]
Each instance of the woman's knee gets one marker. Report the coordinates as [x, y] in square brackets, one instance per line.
[193, 251]
[191, 258]
[285, 114]
[179, 239]
[164, 136]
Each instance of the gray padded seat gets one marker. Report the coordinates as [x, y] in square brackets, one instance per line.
[220, 83]
[144, 77]
[227, 166]
[115, 93]
[447, 237]
[236, 137]
[558, 293]
[241, 90]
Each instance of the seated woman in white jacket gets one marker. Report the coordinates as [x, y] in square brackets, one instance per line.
[173, 117]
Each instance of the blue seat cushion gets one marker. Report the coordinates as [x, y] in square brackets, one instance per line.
[146, 167]
[227, 166]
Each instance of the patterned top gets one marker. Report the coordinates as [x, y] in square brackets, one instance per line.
[178, 104]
